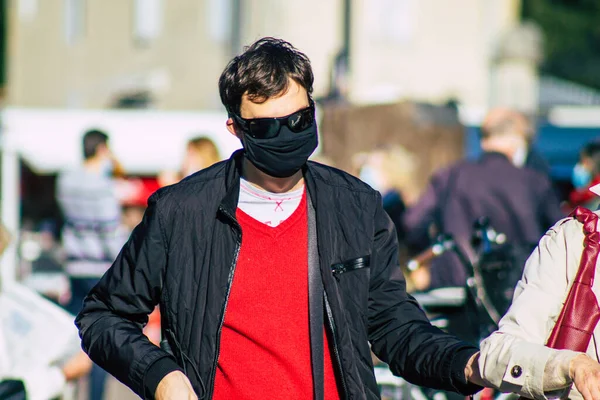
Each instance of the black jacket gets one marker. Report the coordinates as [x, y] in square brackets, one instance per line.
[183, 256]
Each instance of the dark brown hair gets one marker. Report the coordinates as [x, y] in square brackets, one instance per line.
[262, 71]
[92, 139]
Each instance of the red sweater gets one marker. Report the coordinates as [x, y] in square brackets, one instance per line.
[265, 344]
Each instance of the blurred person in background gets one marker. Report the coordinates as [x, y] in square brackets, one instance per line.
[230, 250]
[26, 360]
[586, 174]
[43, 256]
[526, 155]
[201, 152]
[35, 365]
[519, 202]
[322, 159]
[533, 159]
[389, 170]
[168, 177]
[134, 199]
[92, 234]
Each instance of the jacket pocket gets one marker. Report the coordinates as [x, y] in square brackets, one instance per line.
[351, 279]
[351, 265]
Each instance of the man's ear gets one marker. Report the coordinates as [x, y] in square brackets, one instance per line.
[231, 128]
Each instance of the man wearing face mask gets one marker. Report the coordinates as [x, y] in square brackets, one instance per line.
[92, 234]
[518, 202]
[272, 272]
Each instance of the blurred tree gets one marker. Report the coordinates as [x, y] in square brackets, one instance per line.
[572, 37]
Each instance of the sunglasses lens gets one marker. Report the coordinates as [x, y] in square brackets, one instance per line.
[301, 120]
[268, 128]
[264, 128]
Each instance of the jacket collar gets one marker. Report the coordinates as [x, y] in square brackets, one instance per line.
[233, 173]
[494, 155]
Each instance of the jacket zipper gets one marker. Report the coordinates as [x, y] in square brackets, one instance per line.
[229, 282]
[348, 266]
[335, 346]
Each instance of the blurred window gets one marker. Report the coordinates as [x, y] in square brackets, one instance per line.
[392, 21]
[28, 10]
[147, 24]
[219, 20]
[134, 100]
[74, 20]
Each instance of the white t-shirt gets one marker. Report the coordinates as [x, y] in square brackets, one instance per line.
[269, 208]
[36, 339]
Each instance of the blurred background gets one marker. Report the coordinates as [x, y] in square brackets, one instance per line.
[418, 74]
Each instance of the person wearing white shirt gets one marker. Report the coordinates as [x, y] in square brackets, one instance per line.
[39, 344]
[514, 358]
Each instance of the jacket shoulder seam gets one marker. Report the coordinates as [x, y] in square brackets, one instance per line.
[198, 180]
[348, 187]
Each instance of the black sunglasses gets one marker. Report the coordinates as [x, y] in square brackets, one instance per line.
[268, 128]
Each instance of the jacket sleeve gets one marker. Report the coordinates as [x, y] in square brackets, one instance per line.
[514, 358]
[400, 333]
[116, 309]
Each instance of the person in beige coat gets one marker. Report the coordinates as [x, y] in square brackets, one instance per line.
[514, 358]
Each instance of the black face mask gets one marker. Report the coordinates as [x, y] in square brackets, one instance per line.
[283, 155]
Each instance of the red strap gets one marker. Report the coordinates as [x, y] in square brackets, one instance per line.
[581, 313]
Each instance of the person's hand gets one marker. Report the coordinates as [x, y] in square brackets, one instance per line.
[77, 366]
[118, 170]
[585, 373]
[421, 277]
[472, 373]
[175, 386]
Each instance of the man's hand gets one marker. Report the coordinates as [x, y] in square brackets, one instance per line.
[585, 373]
[472, 373]
[175, 386]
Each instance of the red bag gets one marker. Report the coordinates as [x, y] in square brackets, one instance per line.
[580, 314]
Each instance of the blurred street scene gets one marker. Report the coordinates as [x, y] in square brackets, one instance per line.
[409, 93]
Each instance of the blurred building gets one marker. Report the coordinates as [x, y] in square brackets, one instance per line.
[429, 50]
[147, 53]
[115, 53]
[169, 54]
